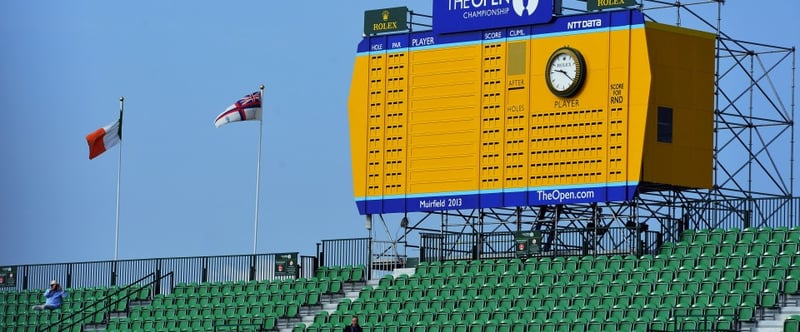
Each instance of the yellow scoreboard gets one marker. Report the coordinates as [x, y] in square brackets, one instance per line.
[585, 108]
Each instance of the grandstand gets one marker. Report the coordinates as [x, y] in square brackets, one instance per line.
[712, 280]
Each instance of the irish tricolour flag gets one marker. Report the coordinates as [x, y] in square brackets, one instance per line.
[104, 138]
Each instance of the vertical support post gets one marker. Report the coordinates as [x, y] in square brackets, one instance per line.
[369, 258]
[114, 273]
[204, 276]
[119, 175]
[158, 277]
[253, 268]
[69, 276]
[258, 169]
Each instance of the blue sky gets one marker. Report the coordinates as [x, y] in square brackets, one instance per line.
[188, 187]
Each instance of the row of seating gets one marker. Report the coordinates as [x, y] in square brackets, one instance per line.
[733, 235]
[257, 287]
[279, 310]
[346, 273]
[548, 325]
[416, 285]
[242, 323]
[711, 249]
[31, 297]
[561, 265]
[199, 301]
[658, 297]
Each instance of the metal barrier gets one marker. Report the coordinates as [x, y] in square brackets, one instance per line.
[556, 242]
[388, 255]
[341, 252]
[743, 213]
[127, 272]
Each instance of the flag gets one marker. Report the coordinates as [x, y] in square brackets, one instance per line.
[247, 108]
[104, 138]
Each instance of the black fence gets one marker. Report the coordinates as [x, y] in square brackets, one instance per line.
[184, 270]
[742, 213]
[556, 242]
[342, 252]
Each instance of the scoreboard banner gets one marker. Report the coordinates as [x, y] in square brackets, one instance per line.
[465, 15]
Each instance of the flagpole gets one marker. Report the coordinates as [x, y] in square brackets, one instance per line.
[258, 168]
[119, 173]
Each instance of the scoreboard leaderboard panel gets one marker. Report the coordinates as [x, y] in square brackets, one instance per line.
[554, 113]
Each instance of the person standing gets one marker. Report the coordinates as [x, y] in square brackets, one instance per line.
[353, 327]
[52, 297]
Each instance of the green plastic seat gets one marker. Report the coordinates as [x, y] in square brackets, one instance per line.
[701, 236]
[792, 323]
[747, 312]
[731, 236]
[710, 249]
[793, 235]
[725, 249]
[688, 235]
[769, 299]
[790, 248]
[716, 236]
[791, 285]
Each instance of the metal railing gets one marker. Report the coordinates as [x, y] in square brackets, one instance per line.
[743, 213]
[558, 242]
[184, 270]
[341, 252]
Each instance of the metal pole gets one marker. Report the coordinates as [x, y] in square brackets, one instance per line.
[258, 169]
[119, 174]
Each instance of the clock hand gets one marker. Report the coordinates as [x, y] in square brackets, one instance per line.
[565, 74]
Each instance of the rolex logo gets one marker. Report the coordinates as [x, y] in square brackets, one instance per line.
[386, 24]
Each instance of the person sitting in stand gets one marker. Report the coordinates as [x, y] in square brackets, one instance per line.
[52, 297]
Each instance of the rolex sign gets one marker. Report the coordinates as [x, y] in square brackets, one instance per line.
[385, 20]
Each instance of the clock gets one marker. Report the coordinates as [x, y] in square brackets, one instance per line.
[565, 72]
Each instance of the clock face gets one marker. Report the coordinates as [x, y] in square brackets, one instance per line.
[565, 72]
